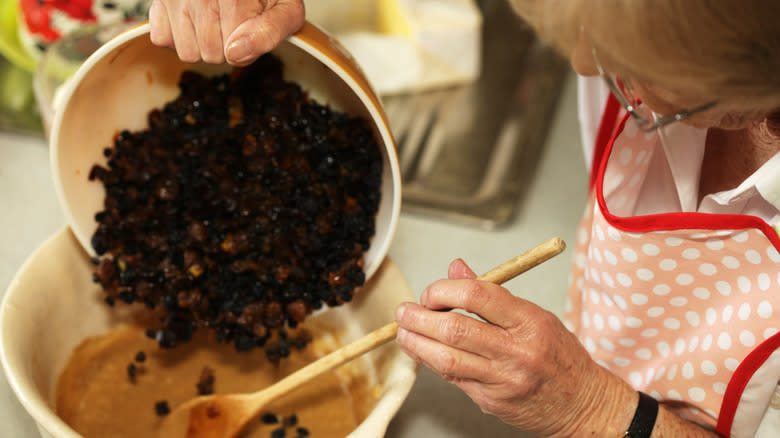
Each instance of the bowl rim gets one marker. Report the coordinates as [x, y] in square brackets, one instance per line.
[303, 39]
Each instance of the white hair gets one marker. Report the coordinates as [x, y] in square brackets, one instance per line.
[728, 49]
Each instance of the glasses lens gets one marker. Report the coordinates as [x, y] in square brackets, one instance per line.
[624, 92]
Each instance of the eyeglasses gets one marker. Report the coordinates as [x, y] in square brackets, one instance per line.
[642, 115]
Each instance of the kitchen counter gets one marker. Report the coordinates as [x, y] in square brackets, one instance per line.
[422, 247]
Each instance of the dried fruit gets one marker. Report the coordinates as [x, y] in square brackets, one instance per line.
[206, 381]
[161, 408]
[242, 208]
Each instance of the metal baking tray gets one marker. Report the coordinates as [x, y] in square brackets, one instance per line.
[467, 152]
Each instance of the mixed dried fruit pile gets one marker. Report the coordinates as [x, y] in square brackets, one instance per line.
[243, 207]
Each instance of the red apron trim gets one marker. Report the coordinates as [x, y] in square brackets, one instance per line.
[609, 120]
[739, 381]
[676, 221]
[673, 221]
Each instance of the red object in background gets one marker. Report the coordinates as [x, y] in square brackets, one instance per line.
[78, 9]
[38, 15]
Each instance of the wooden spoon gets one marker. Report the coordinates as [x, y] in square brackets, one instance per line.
[225, 415]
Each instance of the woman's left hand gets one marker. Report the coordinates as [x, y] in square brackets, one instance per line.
[215, 31]
[520, 364]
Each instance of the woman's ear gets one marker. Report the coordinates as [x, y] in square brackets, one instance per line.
[773, 122]
[581, 57]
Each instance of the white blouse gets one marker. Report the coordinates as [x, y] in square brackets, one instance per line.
[672, 184]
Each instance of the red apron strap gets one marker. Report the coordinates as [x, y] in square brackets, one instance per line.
[609, 120]
[739, 381]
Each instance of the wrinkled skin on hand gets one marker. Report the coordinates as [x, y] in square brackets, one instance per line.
[520, 364]
[216, 31]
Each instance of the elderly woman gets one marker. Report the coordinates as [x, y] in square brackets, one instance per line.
[672, 320]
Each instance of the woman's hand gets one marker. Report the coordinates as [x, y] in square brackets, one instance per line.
[521, 364]
[215, 31]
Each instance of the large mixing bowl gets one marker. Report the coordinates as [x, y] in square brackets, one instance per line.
[52, 305]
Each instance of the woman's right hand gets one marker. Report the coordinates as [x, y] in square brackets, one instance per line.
[215, 31]
[519, 363]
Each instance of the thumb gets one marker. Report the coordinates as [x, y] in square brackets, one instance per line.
[262, 33]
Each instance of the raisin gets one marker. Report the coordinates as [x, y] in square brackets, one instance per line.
[206, 381]
[269, 418]
[161, 408]
[132, 371]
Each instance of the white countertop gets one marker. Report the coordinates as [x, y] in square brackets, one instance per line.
[422, 247]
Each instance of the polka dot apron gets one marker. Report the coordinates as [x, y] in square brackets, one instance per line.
[684, 306]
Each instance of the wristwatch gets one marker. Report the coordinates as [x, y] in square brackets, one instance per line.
[644, 418]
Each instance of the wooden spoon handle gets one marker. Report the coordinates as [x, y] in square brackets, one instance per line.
[382, 335]
[516, 266]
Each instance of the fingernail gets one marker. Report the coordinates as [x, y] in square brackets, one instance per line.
[240, 50]
[424, 296]
[399, 312]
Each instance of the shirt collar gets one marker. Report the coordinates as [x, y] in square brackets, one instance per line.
[683, 147]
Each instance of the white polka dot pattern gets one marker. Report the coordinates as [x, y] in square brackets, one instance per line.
[673, 312]
[674, 298]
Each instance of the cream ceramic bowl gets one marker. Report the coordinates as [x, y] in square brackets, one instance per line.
[52, 305]
[117, 86]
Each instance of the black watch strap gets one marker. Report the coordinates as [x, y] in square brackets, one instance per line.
[644, 418]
